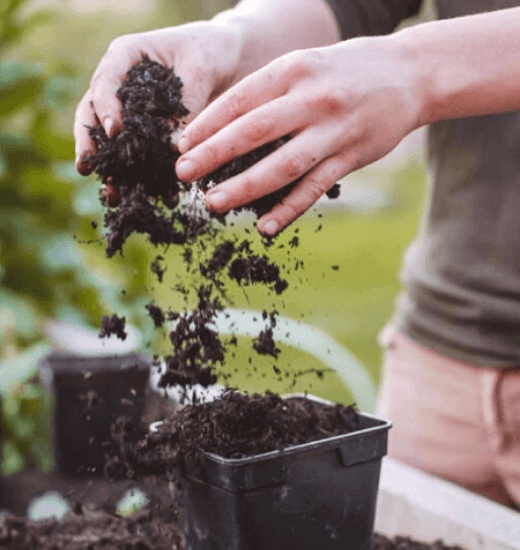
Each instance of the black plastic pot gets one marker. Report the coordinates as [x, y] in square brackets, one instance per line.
[317, 495]
[90, 393]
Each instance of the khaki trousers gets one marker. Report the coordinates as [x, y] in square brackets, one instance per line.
[452, 419]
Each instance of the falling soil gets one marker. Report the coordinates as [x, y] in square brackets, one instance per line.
[233, 426]
[146, 197]
[113, 325]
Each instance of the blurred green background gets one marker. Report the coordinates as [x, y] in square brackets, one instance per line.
[48, 51]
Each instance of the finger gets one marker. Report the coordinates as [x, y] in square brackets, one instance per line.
[84, 144]
[250, 93]
[283, 166]
[107, 79]
[304, 194]
[196, 92]
[263, 125]
[110, 193]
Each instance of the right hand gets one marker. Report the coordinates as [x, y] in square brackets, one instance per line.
[205, 55]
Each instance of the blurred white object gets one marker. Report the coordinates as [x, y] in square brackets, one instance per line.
[72, 337]
[49, 505]
[134, 499]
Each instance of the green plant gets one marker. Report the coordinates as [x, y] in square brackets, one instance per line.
[47, 211]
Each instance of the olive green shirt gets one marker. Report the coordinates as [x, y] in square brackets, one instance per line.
[461, 275]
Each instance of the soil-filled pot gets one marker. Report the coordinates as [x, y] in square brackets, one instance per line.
[90, 393]
[317, 495]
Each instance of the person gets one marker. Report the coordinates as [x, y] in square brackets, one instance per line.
[334, 76]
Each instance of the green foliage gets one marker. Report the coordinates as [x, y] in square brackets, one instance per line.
[45, 214]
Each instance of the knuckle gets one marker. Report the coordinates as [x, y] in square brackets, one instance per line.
[212, 156]
[248, 190]
[316, 188]
[289, 212]
[328, 100]
[301, 63]
[235, 104]
[259, 129]
[118, 43]
[355, 161]
[293, 165]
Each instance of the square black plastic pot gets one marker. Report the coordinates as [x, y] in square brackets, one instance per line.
[317, 495]
[90, 393]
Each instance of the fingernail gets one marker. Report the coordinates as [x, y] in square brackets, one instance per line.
[182, 143]
[271, 228]
[108, 125]
[186, 167]
[217, 200]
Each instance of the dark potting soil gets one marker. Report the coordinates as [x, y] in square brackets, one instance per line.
[113, 324]
[86, 529]
[380, 542]
[233, 426]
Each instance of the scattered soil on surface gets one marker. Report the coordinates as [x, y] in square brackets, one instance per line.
[405, 543]
[233, 426]
[86, 529]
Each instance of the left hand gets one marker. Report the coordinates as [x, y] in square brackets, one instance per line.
[344, 106]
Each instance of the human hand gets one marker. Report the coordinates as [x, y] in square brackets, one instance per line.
[204, 55]
[344, 106]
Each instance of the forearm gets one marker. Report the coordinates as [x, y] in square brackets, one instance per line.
[268, 29]
[467, 66]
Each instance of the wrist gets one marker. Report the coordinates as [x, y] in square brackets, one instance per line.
[421, 74]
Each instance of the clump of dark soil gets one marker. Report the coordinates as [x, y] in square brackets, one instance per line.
[264, 204]
[138, 165]
[86, 529]
[233, 426]
[113, 325]
[141, 154]
[380, 542]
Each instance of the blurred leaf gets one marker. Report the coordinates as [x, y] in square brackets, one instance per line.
[12, 461]
[60, 252]
[51, 143]
[18, 311]
[20, 84]
[60, 90]
[20, 368]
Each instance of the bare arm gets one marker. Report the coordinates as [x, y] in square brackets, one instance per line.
[467, 66]
[271, 28]
[349, 104]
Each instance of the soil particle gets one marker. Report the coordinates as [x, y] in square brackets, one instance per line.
[249, 268]
[113, 325]
[156, 314]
